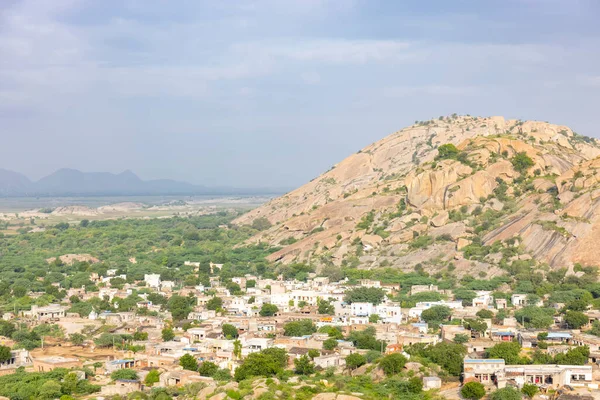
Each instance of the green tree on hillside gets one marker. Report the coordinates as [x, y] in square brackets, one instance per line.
[447, 151]
[521, 162]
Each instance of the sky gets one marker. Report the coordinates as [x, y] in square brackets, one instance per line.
[272, 93]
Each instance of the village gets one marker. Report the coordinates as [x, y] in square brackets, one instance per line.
[258, 317]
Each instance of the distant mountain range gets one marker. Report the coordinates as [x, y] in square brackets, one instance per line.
[71, 182]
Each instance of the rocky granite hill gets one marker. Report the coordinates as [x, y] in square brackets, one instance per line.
[462, 193]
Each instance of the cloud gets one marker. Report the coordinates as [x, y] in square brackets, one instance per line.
[267, 73]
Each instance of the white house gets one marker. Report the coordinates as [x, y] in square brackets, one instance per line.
[389, 313]
[416, 311]
[484, 299]
[362, 309]
[152, 280]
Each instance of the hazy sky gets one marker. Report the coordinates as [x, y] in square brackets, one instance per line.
[272, 93]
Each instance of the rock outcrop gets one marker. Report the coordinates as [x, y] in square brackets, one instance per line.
[397, 203]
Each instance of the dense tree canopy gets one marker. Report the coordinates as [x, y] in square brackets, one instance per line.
[364, 295]
[299, 328]
[266, 363]
[268, 310]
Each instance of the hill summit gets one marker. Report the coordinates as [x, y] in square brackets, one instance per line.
[471, 194]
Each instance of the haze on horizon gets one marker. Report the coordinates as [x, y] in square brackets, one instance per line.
[272, 93]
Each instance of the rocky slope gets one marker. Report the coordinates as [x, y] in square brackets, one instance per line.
[397, 203]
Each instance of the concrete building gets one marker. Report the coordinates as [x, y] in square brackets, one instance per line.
[121, 387]
[432, 382]
[51, 312]
[494, 371]
[152, 280]
[18, 358]
[46, 364]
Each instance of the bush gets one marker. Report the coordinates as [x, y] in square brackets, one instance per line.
[529, 390]
[473, 391]
[507, 393]
[392, 363]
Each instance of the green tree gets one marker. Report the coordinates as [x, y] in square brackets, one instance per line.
[392, 363]
[472, 391]
[364, 295]
[330, 344]
[574, 356]
[477, 325]
[124, 373]
[373, 318]
[5, 354]
[77, 339]
[208, 368]
[167, 334]
[152, 377]
[222, 375]
[216, 303]
[355, 360]
[266, 363]
[140, 336]
[179, 306]
[521, 162]
[366, 339]
[436, 314]
[447, 151]
[576, 319]
[50, 389]
[325, 307]
[7, 328]
[485, 314]
[529, 390]
[507, 393]
[189, 362]
[69, 383]
[304, 366]
[229, 331]
[237, 349]
[299, 328]
[261, 224]
[535, 317]
[461, 338]
[508, 351]
[447, 355]
[268, 310]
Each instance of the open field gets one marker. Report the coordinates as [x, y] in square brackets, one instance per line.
[19, 214]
